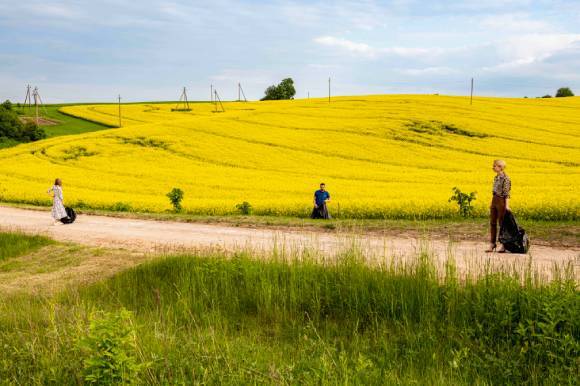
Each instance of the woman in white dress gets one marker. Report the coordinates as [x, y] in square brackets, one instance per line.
[58, 210]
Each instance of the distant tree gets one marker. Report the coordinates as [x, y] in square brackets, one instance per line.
[547, 96]
[11, 127]
[284, 90]
[564, 92]
[7, 104]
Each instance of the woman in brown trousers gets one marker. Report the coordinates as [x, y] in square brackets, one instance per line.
[499, 203]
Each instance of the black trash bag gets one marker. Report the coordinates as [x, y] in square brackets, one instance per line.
[71, 216]
[513, 238]
[320, 212]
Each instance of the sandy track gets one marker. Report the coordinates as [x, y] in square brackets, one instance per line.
[156, 236]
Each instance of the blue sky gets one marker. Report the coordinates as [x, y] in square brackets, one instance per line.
[147, 50]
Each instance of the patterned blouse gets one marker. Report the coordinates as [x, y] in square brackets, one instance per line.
[502, 186]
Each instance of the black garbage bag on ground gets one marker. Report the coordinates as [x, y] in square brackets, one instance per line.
[513, 238]
[71, 216]
[320, 212]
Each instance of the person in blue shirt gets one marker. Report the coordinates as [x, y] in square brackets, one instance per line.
[321, 197]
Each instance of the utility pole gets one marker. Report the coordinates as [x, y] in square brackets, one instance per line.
[35, 93]
[328, 89]
[211, 93]
[28, 98]
[471, 98]
[182, 101]
[119, 97]
[308, 94]
[241, 93]
[216, 100]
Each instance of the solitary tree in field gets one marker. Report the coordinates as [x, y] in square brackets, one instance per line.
[564, 92]
[284, 90]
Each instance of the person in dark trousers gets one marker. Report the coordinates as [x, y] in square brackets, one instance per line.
[499, 203]
[321, 197]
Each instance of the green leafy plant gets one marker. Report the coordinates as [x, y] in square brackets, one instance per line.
[463, 200]
[245, 208]
[175, 197]
[109, 349]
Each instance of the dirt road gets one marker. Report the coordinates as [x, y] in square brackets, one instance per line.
[158, 236]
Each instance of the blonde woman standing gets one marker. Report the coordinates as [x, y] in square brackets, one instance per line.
[58, 210]
[499, 203]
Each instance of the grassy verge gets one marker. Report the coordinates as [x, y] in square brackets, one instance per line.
[14, 244]
[552, 233]
[207, 318]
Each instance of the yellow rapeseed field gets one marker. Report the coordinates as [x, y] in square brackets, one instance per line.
[395, 156]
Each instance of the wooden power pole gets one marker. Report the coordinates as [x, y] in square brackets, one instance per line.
[28, 97]
[241, 93]
[216, 101]
[36, 100]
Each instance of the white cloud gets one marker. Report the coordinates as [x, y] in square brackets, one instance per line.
[257, 76]
[319, 66]
[515, 22]
[371, 52]
[529, 49]
[53, 10]
[442, 70]
[348, 45]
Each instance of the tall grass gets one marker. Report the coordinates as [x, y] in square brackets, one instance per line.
[237, 320]
[14, 244]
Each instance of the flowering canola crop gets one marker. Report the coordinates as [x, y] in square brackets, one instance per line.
[395, 156]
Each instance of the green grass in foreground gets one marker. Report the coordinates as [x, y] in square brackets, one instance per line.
[14, 244]
[211, 319]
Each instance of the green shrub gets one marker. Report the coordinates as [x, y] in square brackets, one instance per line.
[109, 349]
[463, 201]
[245, 208]
[175, 197]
